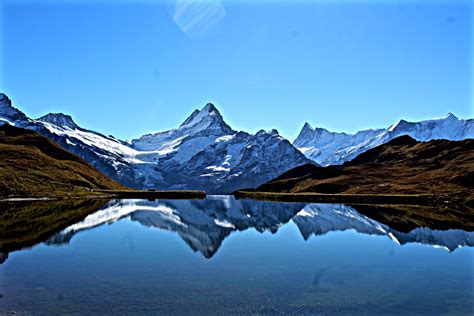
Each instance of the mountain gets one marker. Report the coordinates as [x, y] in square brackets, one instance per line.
[106, 153]
[328, 148]
[32, 165]
[202, 153]
[401, 166]
[205, 224]
[11, 115]
[205, 153]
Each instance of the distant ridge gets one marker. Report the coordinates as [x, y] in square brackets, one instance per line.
[329, 148]
[401, 166]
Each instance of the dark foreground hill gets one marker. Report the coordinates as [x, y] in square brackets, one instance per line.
[401, 166]
[32, 165]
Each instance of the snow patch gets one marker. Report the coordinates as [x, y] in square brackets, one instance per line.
[225, 138]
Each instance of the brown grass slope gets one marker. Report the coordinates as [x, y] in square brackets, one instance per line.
[32, 165]
[401, 166]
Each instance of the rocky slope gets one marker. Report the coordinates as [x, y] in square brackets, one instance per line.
[32, 165]
[401, 166]
[328, 148]
[202, 153]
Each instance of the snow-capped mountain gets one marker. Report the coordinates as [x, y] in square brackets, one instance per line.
[204, 224]
[202, 153]
[328, 148]
[11, 115]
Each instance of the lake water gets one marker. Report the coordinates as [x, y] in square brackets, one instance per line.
[225, 256]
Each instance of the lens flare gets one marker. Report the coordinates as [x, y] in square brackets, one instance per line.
[195, 17]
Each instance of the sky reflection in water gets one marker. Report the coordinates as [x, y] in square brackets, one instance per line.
[240, 256]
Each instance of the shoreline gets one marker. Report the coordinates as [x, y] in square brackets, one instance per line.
[66, 210]
[391, 199]
[113, 194]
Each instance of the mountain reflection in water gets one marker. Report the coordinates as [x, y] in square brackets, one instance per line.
[204, 224]
[128, 256]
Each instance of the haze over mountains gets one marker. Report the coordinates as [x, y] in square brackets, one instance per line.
[205, 153]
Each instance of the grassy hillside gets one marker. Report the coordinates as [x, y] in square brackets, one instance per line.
[32, 165]
[401, 166]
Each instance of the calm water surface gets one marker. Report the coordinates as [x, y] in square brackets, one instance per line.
[223, 256]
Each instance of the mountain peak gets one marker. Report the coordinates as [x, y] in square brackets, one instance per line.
[208, 118]
[59, 119]
[398, 125]
[274, 132]
[9, 113]
[306, 135]
[5, 100]
[209, 108]
[307, 126]
[451, 116]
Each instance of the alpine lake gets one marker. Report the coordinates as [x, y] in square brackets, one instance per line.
[227, 256]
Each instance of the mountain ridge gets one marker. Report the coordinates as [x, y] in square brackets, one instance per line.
[401, 166]
[204, 152]
[33, 165]
[334, 148]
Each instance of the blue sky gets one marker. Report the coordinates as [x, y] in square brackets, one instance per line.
[131, 67]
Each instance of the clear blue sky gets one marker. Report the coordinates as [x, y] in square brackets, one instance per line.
[131, 67]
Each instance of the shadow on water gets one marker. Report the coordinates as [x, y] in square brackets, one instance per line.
[204, 224]
[24, 224]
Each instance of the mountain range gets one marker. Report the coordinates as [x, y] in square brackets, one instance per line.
[401, 166]
[205, 153]
[202, 153]
[329, 148]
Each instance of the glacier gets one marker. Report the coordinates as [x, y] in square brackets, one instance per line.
[203, 153]
[331, 148]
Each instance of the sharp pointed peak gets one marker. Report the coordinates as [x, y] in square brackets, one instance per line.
[10, 113]
[208, 118]
[209, 107]
[5, 100]
[451, 115]
[274, 132]
[307, 126]
[208, 110]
